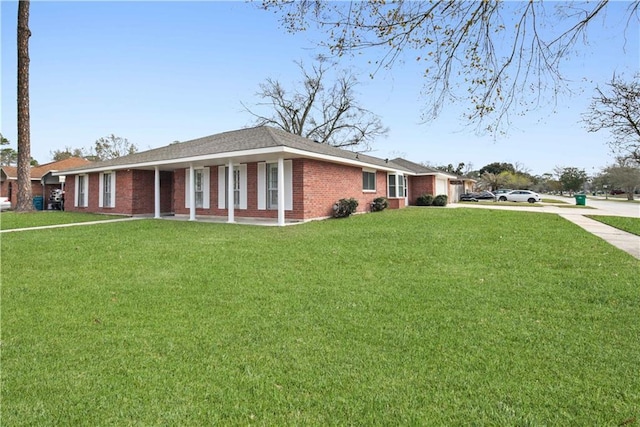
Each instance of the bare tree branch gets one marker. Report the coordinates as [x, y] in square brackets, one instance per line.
[617, 109]
[460, 44]
[315, 110]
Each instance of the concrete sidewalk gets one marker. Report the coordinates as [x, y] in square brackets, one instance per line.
[630, 243]
[72, 224]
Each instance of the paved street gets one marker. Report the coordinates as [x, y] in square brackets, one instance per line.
[613, 207]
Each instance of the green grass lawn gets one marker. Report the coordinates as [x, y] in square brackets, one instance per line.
[630, 225]
[12, 220]
[418, 316]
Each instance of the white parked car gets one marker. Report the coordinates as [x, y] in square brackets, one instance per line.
[5, 204]
[501, 191]
[520, 196]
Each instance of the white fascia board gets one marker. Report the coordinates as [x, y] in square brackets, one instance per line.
[438, 175]
[334, 159]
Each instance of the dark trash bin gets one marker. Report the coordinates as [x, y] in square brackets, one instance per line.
[581, 199]
[38, 203]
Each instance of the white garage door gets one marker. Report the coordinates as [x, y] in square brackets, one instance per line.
[442, 186]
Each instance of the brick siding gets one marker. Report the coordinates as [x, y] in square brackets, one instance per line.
[317, 186]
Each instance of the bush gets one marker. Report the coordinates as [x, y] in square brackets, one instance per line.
[440, 200]
[344, 208]
[379, 204]
[425, 200]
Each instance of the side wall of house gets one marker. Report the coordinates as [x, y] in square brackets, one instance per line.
[419, 185]
[316, 187]
[123, 194]
[326, 183]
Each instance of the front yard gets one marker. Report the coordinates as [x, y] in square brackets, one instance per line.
[422, 316]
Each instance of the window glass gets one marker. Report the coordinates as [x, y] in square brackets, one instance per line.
[368, 180]
[106, 190]
[81, 190]
[199, 187]
[272, 186]
[236, 187]
[392, 186]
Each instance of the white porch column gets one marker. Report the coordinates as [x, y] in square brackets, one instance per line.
[280, 191]
[192, 193]
[230, 198]
[157, 193]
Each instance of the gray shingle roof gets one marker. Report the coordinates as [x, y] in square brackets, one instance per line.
[418, 168]
[262, 137]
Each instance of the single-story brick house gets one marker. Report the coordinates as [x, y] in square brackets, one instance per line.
[266, 172]
[42, 179]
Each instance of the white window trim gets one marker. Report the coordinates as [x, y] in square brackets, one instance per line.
[205, 188]
[399, 189]
[112, 175]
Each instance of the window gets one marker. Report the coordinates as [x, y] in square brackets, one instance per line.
[392, 186]
[272, 186]
[199, 187]
[106, 189]
[396, 186]
[239, 187]
[368, 181]
[81, 190]
[268, 185]
[236, 186]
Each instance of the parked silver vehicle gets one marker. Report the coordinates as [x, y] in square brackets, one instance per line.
[5, 204]
[520, 196]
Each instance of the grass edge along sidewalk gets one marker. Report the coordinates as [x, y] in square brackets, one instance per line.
[419, 316]
[11, 221]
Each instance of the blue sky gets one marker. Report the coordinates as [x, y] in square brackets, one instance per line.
[157, 72]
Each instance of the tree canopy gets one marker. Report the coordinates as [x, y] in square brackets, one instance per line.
[500, 56]
[8, 156]
[624, 175]
[572, 179]
[105, 148]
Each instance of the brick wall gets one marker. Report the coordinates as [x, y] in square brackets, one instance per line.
[326, 183]
[317, 186]
[419, 185]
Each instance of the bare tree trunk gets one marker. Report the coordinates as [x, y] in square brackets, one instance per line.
[24, 138]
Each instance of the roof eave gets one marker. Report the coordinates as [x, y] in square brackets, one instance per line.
[256, 153]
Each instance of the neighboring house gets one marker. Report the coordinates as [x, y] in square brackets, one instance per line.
[259, 172]
[42, 181]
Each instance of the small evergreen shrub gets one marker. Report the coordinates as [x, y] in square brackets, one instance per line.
[425, 200]
[379, 204]
[344, 208]
[440, 200]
